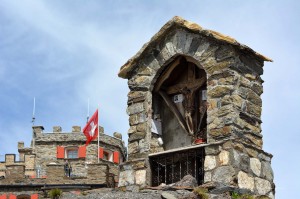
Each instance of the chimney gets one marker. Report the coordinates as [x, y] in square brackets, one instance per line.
[118, 135]
[56, 129]
[21, 152]
[20, 145]
[37, 129]
[76, 129]
[101, 130]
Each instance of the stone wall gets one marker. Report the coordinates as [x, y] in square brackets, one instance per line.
[234, 87]
[28, 163]
[43, 155]
[15, 171]
[239, 166]
[55, 172]
[97, 173]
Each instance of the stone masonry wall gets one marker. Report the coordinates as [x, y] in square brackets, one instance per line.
[43, 155]
[10, 162]
[234, 89]
[239, 166]
[234, 108]
[15, 171]
[46, 147]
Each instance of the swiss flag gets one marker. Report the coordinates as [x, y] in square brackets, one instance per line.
[91, 128]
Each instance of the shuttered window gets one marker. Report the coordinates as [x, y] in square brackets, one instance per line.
[101, 152]
[116, 157]
[60, 152]
[82, 152]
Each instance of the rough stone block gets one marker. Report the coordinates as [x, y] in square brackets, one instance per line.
[137, 118]
[212, 150]
[221, 132]
[146, 71]
[245, 181]
[252, 152]
[136, 136]
[204, 51]
[136, 96]
[135, 108]
[267, 171]
[126, 178]
[210, 162]
[224, 158]
[257, 88]
[140, 164]
[118, 135]
[234, 99]
[219, 91]
[76, 129]
[254, 139]
[142, 127]
[140, 82]
[207, 176]
[57, 129]
[213, 66]
[195, 43]
[224, 52]
[132, 129]
[223, 174]
[140, 177]
[133, 147]
[262, 186]
[255, 166]
[253, 109]
[254, 98]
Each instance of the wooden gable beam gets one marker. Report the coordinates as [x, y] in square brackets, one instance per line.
[166, 74]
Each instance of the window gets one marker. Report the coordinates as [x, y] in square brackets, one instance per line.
[112, 156]
[72, 153]
[105, 155]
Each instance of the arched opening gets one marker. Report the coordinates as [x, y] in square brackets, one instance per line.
[179, 104]
[23, 196]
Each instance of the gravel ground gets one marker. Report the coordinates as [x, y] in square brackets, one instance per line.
[110, 193]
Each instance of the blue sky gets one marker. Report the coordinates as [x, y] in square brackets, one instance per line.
[64, 52]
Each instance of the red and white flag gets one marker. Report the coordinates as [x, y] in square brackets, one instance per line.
[91, 128]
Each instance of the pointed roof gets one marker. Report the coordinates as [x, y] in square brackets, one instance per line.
[179, 22]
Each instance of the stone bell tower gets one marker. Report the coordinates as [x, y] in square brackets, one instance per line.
[194, 108]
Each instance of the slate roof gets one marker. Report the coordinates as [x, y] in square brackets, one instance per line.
[178, 22]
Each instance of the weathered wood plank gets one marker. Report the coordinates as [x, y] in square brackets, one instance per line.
[174, 110]
[166, 74]
[193, 85]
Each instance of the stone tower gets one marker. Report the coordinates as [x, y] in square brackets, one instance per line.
[194, 108]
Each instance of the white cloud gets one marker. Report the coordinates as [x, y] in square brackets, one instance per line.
[64, 52]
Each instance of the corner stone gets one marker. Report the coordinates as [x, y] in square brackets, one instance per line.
[245, 181]
[255, 166]
[126, 178]
[210, 163]
[140, 177]
[263, 186]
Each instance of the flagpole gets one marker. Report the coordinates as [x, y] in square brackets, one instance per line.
[98, 132]
[33, 112]
[88, 111]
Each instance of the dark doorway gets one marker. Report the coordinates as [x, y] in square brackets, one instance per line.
[23, 196]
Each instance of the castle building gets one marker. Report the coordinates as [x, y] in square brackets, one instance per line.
[194, 108]
[58, 157]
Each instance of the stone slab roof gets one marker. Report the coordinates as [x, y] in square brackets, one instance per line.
[178, 22]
